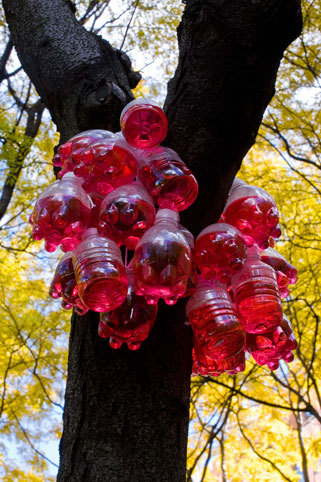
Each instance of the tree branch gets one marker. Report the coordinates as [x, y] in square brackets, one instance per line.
[44, 29]
[230, 51]
[33, 122]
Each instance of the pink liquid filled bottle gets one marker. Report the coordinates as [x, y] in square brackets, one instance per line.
[167, 178]
[131, 322]
[269, 348]
[285, 273]
[103, 160]
[75, 152]
[63, 285]
[143, 123]
[203, 365]
[256, 295]
[162, 260]
[126, 213]
[206, 366]
[100, 273]
[61, 214]
[254, 212]
[218, 336]
[220, 251]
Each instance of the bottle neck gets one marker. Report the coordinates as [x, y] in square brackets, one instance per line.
[167, 216]
[203, 283]
[253, 252]
[90, 232]
[70, 176]
[236, 184]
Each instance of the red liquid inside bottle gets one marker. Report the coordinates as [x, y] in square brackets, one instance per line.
[162, 260]
[64, 286]
[286, 273]
[131, 322]
[143, 123]
[206, 366]
[104, 161]
[254, 212]
[75, 151]
[218, 335]
[256, 295]
[61, 214]
[220, 251]
[100, 273]
[125, 214]
[167, 178]
[269, 348]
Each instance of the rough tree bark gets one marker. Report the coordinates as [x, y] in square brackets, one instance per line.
[126, 413]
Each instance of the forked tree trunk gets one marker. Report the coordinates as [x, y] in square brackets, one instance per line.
[126, 413]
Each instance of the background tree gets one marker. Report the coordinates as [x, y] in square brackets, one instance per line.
[136, 406]
[275, 417]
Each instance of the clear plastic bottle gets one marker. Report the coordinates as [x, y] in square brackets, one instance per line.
[72, 152]
[285, 273]
[218, 335]
[269, 348]
[126, 213]
[162, 260]
[61, 214]
[100, 273]
[167, 178]
[102, 158]
[63, 285]
[143, 123]
[254, 212]
[256, 295]
[131, 322]
[206, 366]
[220, 251]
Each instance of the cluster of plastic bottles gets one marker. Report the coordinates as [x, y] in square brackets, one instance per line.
[106, 197]
[109, 189]
[237, 304]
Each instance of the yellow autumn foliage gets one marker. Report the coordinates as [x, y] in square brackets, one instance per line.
[257, 426]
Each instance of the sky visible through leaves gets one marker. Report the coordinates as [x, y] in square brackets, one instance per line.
[266, 425]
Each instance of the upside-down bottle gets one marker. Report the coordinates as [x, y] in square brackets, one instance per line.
[103, 161]
[100, 273]
[143, 123]
[61, 214]
[218, 336]
[162, 260]
[131, 322]
[71, 153]
[63, 285]
[285, 273]
[254, 212]
[220, 251]
[269, 348]
[167, 178]
[126, 213]
[205, 365]
[256, 295]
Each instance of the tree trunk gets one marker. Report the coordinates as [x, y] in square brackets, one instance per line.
[126, 413]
